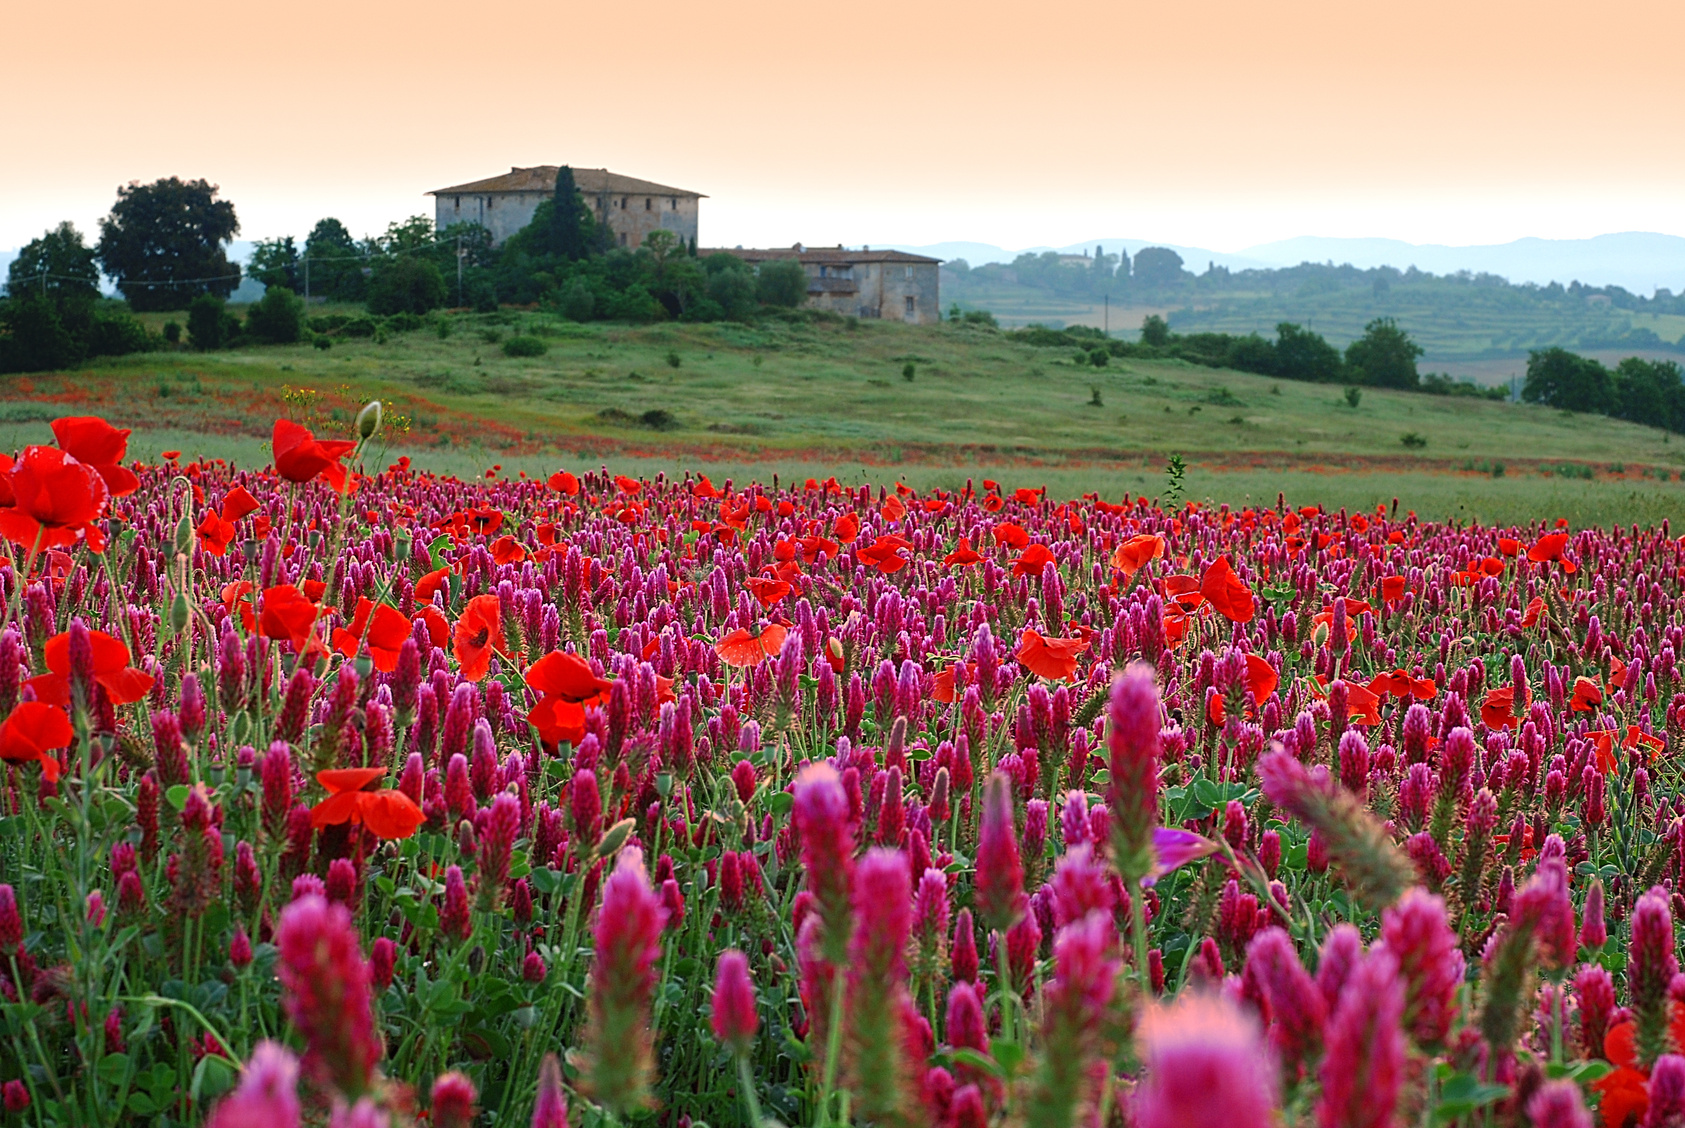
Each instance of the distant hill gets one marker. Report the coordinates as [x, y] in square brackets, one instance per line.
[1640, 261]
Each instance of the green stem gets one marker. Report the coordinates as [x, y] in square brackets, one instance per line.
[833, 1049]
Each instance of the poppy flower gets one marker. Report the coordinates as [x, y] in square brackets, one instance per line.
[1509, 546]
[1136, 552]
[507, 550]
[1183, 591]
[740, 648]
[1497, 709]
[56, 501]
[963, 555]
[703, 488]
[484, 520]
[1363, 705]
[627, 485]
[479, 634]
[122, 683]
[1226, 592]
[214, 534]
[1625, 1090]
[1261, 678]
[993, 503]
[1025, 496]
[893, 510]
[32, 731]
[813, 546]
[1551, 547]
[1034, 559]
[386, 813]
[1009, 535]
[942, 685]
[1401, 684]
[1588, 695]
[1535, 608]
[93, 442]
[380, 625]
[566, 686]
[846, 528]
[301, 457]
[438, 627]
[1052, 658]
[238, 596]
[564, 483]
[289, 614]
[769, 592]
[884, 554]
[1392, 589]
[1175, 625]
[428, 586]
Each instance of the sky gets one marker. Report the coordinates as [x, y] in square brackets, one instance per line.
[1214, 123]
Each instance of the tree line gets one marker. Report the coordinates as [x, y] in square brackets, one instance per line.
[1650, 392]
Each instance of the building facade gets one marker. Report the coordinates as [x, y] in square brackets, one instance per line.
[893, 285]
[629, 207]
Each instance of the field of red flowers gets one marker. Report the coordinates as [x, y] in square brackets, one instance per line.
[348, 795]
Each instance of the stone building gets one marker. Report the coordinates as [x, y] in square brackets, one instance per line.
[630, 207]
[863, 283]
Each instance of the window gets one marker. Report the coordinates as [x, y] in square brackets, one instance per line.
[459, 203]
[489, 202]
[647, 204]
[623, 203]
[909, 278]
[824, 271]
[623, 243]
[911, 307]
[674, 201]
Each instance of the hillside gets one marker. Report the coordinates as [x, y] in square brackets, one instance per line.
[806, 396]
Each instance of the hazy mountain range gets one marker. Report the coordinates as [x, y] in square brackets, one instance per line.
[1641, 261]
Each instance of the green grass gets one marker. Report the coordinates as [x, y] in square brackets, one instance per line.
[802, 398]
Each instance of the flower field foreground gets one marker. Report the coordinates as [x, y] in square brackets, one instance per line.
[379, 799]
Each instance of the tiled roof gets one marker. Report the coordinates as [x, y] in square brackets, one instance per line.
[827, 255]
[542, 178]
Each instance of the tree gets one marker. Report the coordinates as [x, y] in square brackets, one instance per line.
[278, 319]
[335, 263]
[1651, 392]
[32, 339]
[782, 282]
[1384, 356]
[275, 263]
[1157, 266]
[1155, 331]
[1565, 380]
[406, 284]
[1303, 355]
[569, 220]
[208, 322]
[163, 243]
[58, 266]
[732, 284]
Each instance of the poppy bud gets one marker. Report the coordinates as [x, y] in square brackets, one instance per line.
[184, 536]
[368, 419]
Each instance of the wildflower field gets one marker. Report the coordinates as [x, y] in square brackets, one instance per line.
[343, 793]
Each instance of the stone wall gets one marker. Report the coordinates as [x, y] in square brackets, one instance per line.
[631, 218]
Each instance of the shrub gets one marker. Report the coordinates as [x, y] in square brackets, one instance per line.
[172, 332]
[673, 358]
[405, 322]
[116, 333]
[908, 372]
[360, 327]
[782, 283]
[1412, 440]
[525, 346]
[205, 322]
[406, 284]
[323, 343]
[1354, 396]
[578, 302]
[278, 319]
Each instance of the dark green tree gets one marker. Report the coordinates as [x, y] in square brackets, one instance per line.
[406, 284]
[163, 243]
[334, 263]
[731, 283]
[1155, 331]
[781, 283]
[569, 220]
[58, 266]
[32, 339]
[275, 263]
[1384, 356]
[1651, 392]
[278, 319]
[1568, 381]
[1157, 266]
[1303, 355]
[207, 322]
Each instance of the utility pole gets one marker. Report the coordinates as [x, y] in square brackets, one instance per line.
[307, 279]
[459, 268]
[1108, 313]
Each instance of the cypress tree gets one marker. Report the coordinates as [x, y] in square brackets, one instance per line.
[567, 235]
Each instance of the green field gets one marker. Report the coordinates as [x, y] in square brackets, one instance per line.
[801, 397]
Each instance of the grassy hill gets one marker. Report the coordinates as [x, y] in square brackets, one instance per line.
[807, 396]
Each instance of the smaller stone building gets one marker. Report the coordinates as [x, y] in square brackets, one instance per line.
[863, 283]
[630, 207]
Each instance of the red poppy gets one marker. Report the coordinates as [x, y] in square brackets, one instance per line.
[301, 457]
[428, 586]
[942, 685]
[1392, 589]
[386, 813]
[993, 503]
[484, 519]
[1509, 546]
[769, 592]
[1535, 608]
[893, 510]
[1362, 704]
[238, 503]
[846, 528]
[56, 501]
[812, 546]
[884, 554]
[563, 482]
[1401, 684]
[1626, 1090]
[1010, 535]
[122, 683]
[740, 648]
[479, 633]
[31, 732]
[1052, 658]
[963, 556]
[438, 627]
[627, 485]
[1226, 592]
[703, 488]
[214, 534]
[238, 595]
[380, 625]
[1550, 547]
[289, 614]
[1588, 695]
[1261, 678]
[1135, 553]
[1183, 591]
[93, 442]
[507, 550]
[1497, 710]
[1034, 559]
[1025, 496]
[566, 686]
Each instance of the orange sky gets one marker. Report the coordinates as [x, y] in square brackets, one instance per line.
[1219, 123]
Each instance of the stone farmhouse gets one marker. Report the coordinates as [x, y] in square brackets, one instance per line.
[631, 208]
[863, 283]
